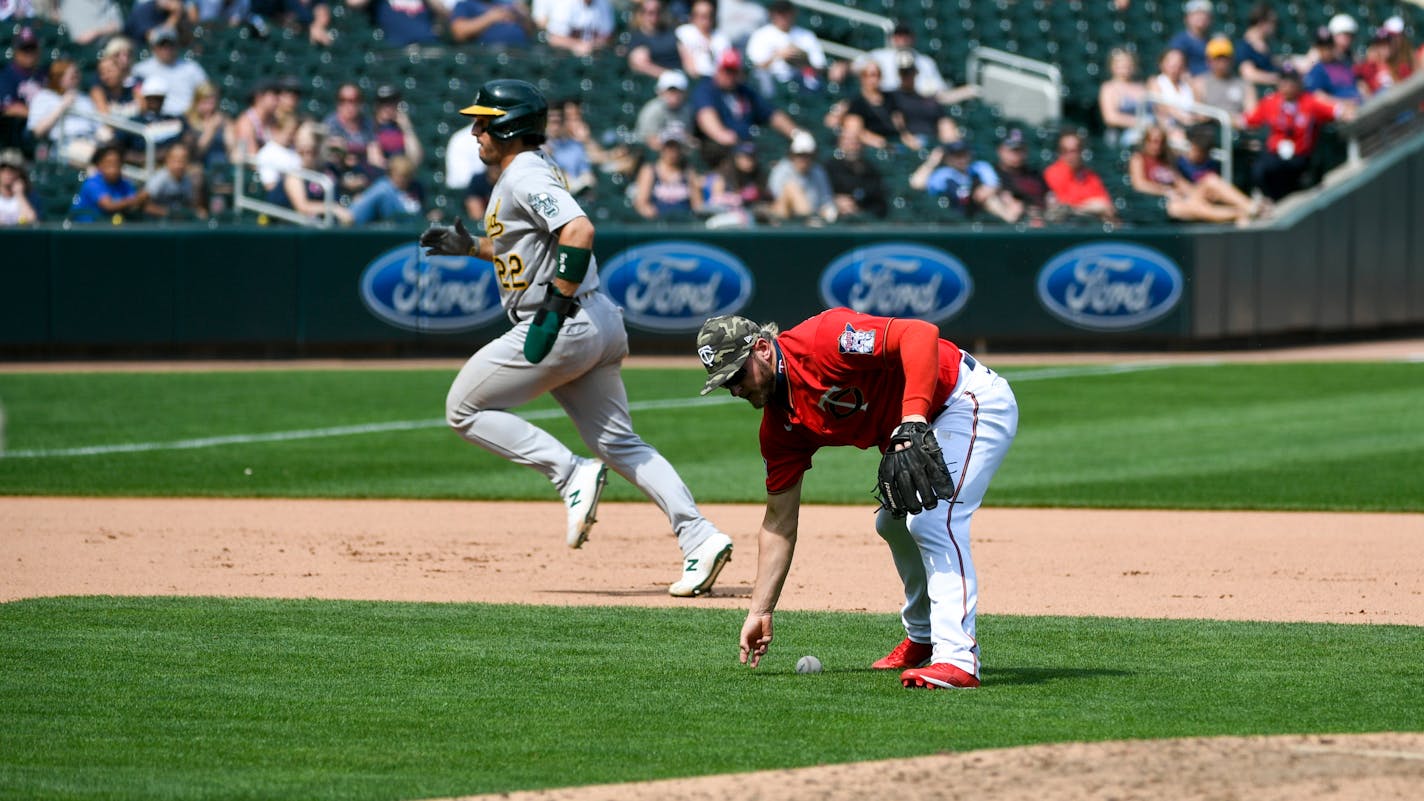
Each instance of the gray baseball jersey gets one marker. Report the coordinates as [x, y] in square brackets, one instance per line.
[528, 206]
[583, 372]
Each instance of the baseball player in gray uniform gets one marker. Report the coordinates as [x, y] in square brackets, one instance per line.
[568, 338]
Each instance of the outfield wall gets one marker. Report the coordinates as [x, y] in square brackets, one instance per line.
[1353, 264]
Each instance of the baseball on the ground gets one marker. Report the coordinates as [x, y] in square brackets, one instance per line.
[808, 664]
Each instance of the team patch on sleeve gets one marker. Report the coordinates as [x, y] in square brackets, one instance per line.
[853, 341]
[543, 203]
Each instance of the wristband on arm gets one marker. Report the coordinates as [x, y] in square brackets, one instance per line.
[573, 263]
[544, 328]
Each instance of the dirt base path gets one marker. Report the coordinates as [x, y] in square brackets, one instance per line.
[1224, 565]
[1372, 767]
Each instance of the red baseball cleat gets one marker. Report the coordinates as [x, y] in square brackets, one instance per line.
[940, 674]
[908, 654]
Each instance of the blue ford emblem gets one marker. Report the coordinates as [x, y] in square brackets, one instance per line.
[1109, 286]
[898, 279]
[436, 293]
[677, 285]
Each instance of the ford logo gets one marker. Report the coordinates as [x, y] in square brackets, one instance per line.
[898, 279]
[1109, 286]
[677, 285]
[435, 293]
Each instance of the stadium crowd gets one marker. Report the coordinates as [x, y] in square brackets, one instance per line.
[698, 149]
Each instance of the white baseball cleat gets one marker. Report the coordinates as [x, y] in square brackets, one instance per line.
[581, 496]
[700, 568]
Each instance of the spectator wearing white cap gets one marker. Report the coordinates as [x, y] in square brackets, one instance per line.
[162, 127]
[1332, 79]
[1191, 40]
[666, 112]
[181, 74]
[800, 187]
[1401, 51]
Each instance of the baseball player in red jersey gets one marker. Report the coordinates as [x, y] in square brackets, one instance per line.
[846, 378]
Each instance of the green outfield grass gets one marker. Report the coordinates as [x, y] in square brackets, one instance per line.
[1288, 436]
[208, 698]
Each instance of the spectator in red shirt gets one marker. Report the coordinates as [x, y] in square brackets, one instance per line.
[1078, 189]
[1294, 118]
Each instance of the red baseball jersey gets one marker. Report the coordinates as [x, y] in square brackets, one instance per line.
[1299, 121]
[844, 385]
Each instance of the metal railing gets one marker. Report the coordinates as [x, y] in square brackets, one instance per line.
[855, 15]
[1048, 73]
[148, 132]
[1385, 119]
[1221, 115]
[241, 201]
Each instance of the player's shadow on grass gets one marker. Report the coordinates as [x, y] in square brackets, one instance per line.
[1006, 676]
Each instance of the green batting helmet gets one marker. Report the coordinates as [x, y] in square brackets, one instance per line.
[518, 108]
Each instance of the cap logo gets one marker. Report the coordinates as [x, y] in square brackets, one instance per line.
[707, 355]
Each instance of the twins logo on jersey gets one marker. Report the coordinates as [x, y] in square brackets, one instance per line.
[842, 402]
[544, 204]
[853, 341]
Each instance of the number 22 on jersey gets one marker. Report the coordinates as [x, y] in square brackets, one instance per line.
[509, 269]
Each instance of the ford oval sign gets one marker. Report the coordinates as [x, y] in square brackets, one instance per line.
[435, 293]
[898, 279]
[677, 285]
[1109, 286]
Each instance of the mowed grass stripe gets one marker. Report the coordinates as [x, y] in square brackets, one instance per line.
[212, 698]
[380, 427]
[1199, 440]
[1303, 436]
[324, 433]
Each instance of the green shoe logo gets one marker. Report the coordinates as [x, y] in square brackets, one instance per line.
[574, 499]
[691, 565]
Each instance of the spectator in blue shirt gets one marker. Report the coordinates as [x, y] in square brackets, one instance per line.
[725, 109]
[1254, 53]
[569, 153]
[20, 81]
[970, 184]
[491, 23]
[107, 192]
[1333, 77]
[404, 22]
[1192, 39]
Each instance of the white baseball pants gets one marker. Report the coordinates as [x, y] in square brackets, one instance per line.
[931, 549]
[584, 374]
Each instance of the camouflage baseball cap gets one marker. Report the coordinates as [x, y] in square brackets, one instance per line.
[723, 345]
